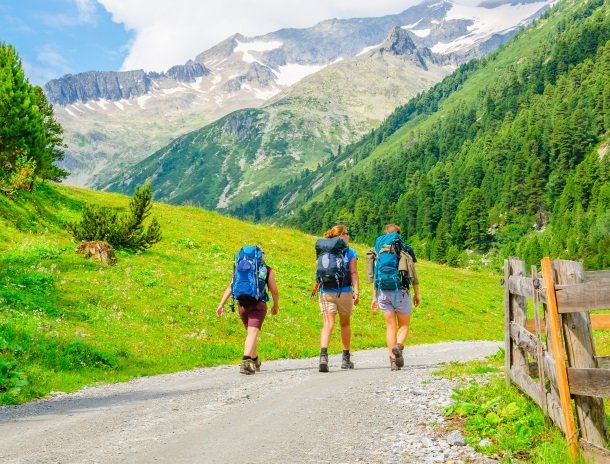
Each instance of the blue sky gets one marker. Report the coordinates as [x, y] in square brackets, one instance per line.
[57, 37]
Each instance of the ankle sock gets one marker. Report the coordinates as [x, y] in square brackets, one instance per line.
[244, 358]
[346, 353]
[324, 351]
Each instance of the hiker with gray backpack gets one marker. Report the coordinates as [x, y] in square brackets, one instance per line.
[249, 283]
[390, 267]
[337, 282]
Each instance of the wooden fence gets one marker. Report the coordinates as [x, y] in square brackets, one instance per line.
[551, 355]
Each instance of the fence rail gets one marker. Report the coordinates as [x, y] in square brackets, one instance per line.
[551, 355]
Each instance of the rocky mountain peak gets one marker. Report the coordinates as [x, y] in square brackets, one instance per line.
[188, 72]
[398, 42]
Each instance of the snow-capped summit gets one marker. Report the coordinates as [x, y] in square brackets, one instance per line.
[112, 119]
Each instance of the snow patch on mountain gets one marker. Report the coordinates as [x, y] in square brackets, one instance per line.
[366, 49]
[292, 73]
[411, 26]
[259, 46]
[173, 90]
[421, 32]
[142, 100]
[486, 22]
[266, 94]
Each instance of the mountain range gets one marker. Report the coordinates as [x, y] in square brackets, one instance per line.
[330, 83]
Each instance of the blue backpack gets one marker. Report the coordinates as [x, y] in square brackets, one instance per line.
[249, 275]
[332, 270]
[387, 275]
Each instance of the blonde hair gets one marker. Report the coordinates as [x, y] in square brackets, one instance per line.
[335, 231]
[391, 228]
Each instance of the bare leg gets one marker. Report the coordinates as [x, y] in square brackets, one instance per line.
[390, 334]
[251, 339]
[404, 321]
[346, 331]
[328, 324]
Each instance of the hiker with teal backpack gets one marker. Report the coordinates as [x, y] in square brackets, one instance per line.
[390, 267]
[337, 282]
[249, 283]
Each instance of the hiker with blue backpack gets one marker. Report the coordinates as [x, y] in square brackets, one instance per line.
[249, 283]
[390, 267]
[337, 282]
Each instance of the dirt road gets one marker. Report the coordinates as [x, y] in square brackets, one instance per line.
[289, 412]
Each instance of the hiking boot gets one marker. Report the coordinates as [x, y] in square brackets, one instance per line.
[393, 365]
[346, 363]
[397, 352]
[247, 367]
[257, 364]
[323, 363]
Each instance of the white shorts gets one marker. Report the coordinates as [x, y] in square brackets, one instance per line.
[394, 300]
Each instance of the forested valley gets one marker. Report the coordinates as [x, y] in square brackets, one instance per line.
[516, 163]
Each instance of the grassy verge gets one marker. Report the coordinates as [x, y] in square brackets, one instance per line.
[501, 421]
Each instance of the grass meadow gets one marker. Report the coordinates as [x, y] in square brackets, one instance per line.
[67, 321]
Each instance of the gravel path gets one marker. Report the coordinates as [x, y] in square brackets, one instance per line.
[287, 413]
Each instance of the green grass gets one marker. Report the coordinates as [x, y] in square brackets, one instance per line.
[66, 321]
[500, 420]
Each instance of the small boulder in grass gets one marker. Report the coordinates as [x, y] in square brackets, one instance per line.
[99, 250]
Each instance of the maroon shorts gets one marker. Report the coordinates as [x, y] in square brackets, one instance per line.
[253, 315]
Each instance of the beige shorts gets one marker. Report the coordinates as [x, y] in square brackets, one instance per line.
[331, 303]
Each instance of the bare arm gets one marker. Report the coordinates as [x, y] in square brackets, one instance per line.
[275, 295]
[416, 297]
[353, 269]
[374, 305]
[221, 306]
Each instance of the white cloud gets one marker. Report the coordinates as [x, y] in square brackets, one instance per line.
[86, 11]
[49, 64]
[169, 32]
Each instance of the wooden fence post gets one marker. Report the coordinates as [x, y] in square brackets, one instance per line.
[559, 355]
[539, 351]
[517, 310]
[507, 319]
[581, 354]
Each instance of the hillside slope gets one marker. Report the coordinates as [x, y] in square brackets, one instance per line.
[249, 151]
[515, 139]
[66, 321]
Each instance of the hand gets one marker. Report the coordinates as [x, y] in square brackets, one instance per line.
[356, 298]
[416, 299]
[274, 310]
[220, 310]
[374, 306]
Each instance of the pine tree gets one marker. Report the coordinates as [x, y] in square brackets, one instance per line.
[30, 138]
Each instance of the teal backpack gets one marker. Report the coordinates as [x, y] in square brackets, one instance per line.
[387, 276]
